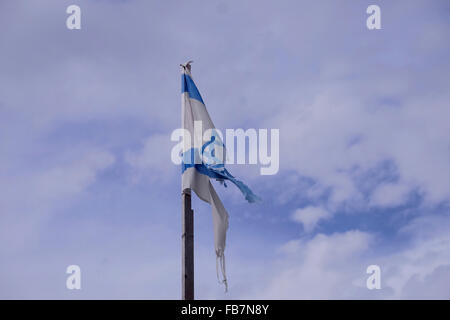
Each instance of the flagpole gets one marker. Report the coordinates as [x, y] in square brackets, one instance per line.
[187, 247]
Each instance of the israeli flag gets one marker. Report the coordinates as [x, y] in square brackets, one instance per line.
[204, 158]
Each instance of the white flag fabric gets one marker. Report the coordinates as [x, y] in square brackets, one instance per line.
[204, 158]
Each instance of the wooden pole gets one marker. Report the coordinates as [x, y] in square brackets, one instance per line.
[187, 251]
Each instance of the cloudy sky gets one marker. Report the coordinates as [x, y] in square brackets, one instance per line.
[85, 123]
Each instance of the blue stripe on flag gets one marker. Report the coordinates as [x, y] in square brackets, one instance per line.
[188, 85]
[217, 172]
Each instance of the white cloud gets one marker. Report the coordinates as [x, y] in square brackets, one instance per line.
[320, 268]
[324, 134]
[334, 266]
[30, 198]
[310, 216]
[153, 160]
[390, 195]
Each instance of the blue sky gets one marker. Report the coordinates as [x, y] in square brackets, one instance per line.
[85, 123]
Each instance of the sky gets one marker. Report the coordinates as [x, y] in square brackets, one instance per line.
[86, 177]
